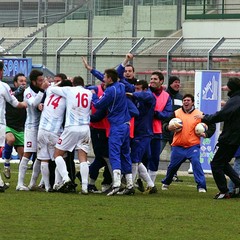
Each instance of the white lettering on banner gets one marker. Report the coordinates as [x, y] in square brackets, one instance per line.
[14, 66]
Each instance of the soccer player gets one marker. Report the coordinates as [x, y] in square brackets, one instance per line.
[126, 70]
[33, 96]
[99, 135]
[61, 77]
[76, 133]
[50, 128]
[5, 96]
[143, 131]
[15, 119]
[115, 101]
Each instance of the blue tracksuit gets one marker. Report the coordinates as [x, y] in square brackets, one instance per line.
[145, 102]
[97, 74]
[143, 130]
[114, 100]
[120, 70]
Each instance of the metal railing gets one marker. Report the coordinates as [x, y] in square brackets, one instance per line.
[171, 55]
[32, 20]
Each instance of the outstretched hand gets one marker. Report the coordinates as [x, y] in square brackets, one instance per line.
[129, 56]
[86, 65]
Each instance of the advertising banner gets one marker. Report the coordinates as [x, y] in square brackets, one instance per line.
[208, 100]
[13, 66]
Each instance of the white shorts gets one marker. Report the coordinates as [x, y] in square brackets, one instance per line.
[2, 135]
[77, 137]
[30, 140]
[46, 144]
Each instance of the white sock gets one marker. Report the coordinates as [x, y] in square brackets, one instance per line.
[7, 163]
[35, 173]
[134, 171]
[41, 182]
[144, 175]
[116, 178]
[129, 180]
[153, 175]
[84, 170]
[45, 175]
[22, 170]
[58, 177]
[1, 181]
[7, 160]
[62, 168]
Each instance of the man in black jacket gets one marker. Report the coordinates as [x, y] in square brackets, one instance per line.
[228, 141]
[15, 119]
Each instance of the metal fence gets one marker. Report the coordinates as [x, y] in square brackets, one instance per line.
[171, 55]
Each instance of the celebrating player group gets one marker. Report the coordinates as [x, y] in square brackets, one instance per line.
[127, 121]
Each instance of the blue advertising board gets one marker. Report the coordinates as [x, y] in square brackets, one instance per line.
[208, 100]
[13, 66]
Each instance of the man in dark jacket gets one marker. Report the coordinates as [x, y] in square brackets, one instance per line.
[228, 141]
[15, 119]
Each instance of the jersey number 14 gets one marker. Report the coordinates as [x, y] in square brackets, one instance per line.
[54, 101]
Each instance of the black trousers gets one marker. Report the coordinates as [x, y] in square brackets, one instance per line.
[220, 166]
[100, 149]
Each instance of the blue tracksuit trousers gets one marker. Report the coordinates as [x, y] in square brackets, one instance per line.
[180, 155]
[139, 146]
[119, 148]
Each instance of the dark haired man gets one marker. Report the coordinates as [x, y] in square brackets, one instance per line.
[228, 141]
[32, 96]
[186, 144]
[59, 77]
[76, 133]
[15, 119]
[115, 101]
[62, 77]
[126, 71]
[50, 128]
[162, 111]
[143, 131]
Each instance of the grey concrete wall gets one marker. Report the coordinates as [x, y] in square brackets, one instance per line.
[153, 21]
[211, 28]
